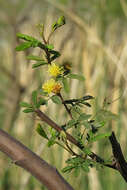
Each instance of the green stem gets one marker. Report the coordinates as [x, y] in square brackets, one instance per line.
[63, 102]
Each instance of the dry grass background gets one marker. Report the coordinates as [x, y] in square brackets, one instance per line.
[95, 41]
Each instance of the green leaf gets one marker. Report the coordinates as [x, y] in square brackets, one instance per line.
[41, 131]
[105, 115]
[67, 169]
[99, 137]
[51, 141]
[54, 57]
[71, 123]
[39, 64]
[86, 124]
[33, 41]
[61, 21]
[84, 116]
[23, 46]
[34, 98]
[56, 99]
[66, 85]
[86, 104]
[87, 151]
[49, 46]
[54, 52]
[26, 37]
[54, 26]
[77, 171]
[85, 167]
[88, 97]
[74, 112]
[25, 104]
[41, 101]
[35, 58]
[76, 76]
[28, 110]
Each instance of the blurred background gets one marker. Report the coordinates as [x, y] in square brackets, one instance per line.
[94, 40]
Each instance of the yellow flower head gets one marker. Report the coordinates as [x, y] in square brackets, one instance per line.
[52, 86]
[54, 70]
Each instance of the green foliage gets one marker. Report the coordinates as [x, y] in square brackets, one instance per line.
[76, 163]
[36, 65]
[28, 110]
[25, 104]
[60, 22]
[41, 102]
[26, 37]
[76, 76]
[86, 127]
[84, 116]
[34, 98]
[41, 131]
[66, 85]
[34, 57]
[99, 137]
[24, 46]
[49, 46]
[56, 99]
[53, 137]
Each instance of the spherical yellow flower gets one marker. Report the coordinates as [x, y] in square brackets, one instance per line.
[57, 88]
[52, 86]
[54, 70]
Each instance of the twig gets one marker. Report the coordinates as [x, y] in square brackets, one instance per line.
[70, 138]
[119, 163]
[63, 102]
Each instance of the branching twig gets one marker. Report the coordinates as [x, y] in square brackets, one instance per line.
[70, 138]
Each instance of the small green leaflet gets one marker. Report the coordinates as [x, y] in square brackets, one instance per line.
[76, 76]
[84, 116]
[66, 85]
[88, 97]
[54, 57]
[25, 104]
[99, 137]
[85, 167]
[68, 169]
[25, 37]
[41, 102]
[56, 99]
[38, 64]
[31, 42]
[41, 131]
[51, 141]
[34, 57]
[71, 123]
[34, 98]
[61, 21]
[86, 151]
[23, 46]
[49, 46]
[28, 110]
[54, 52]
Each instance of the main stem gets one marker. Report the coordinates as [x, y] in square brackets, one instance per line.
[25, 158]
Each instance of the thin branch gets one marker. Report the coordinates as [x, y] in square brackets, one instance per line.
[28, 160]
[70, 138]
[63, 102]
[119, 162]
